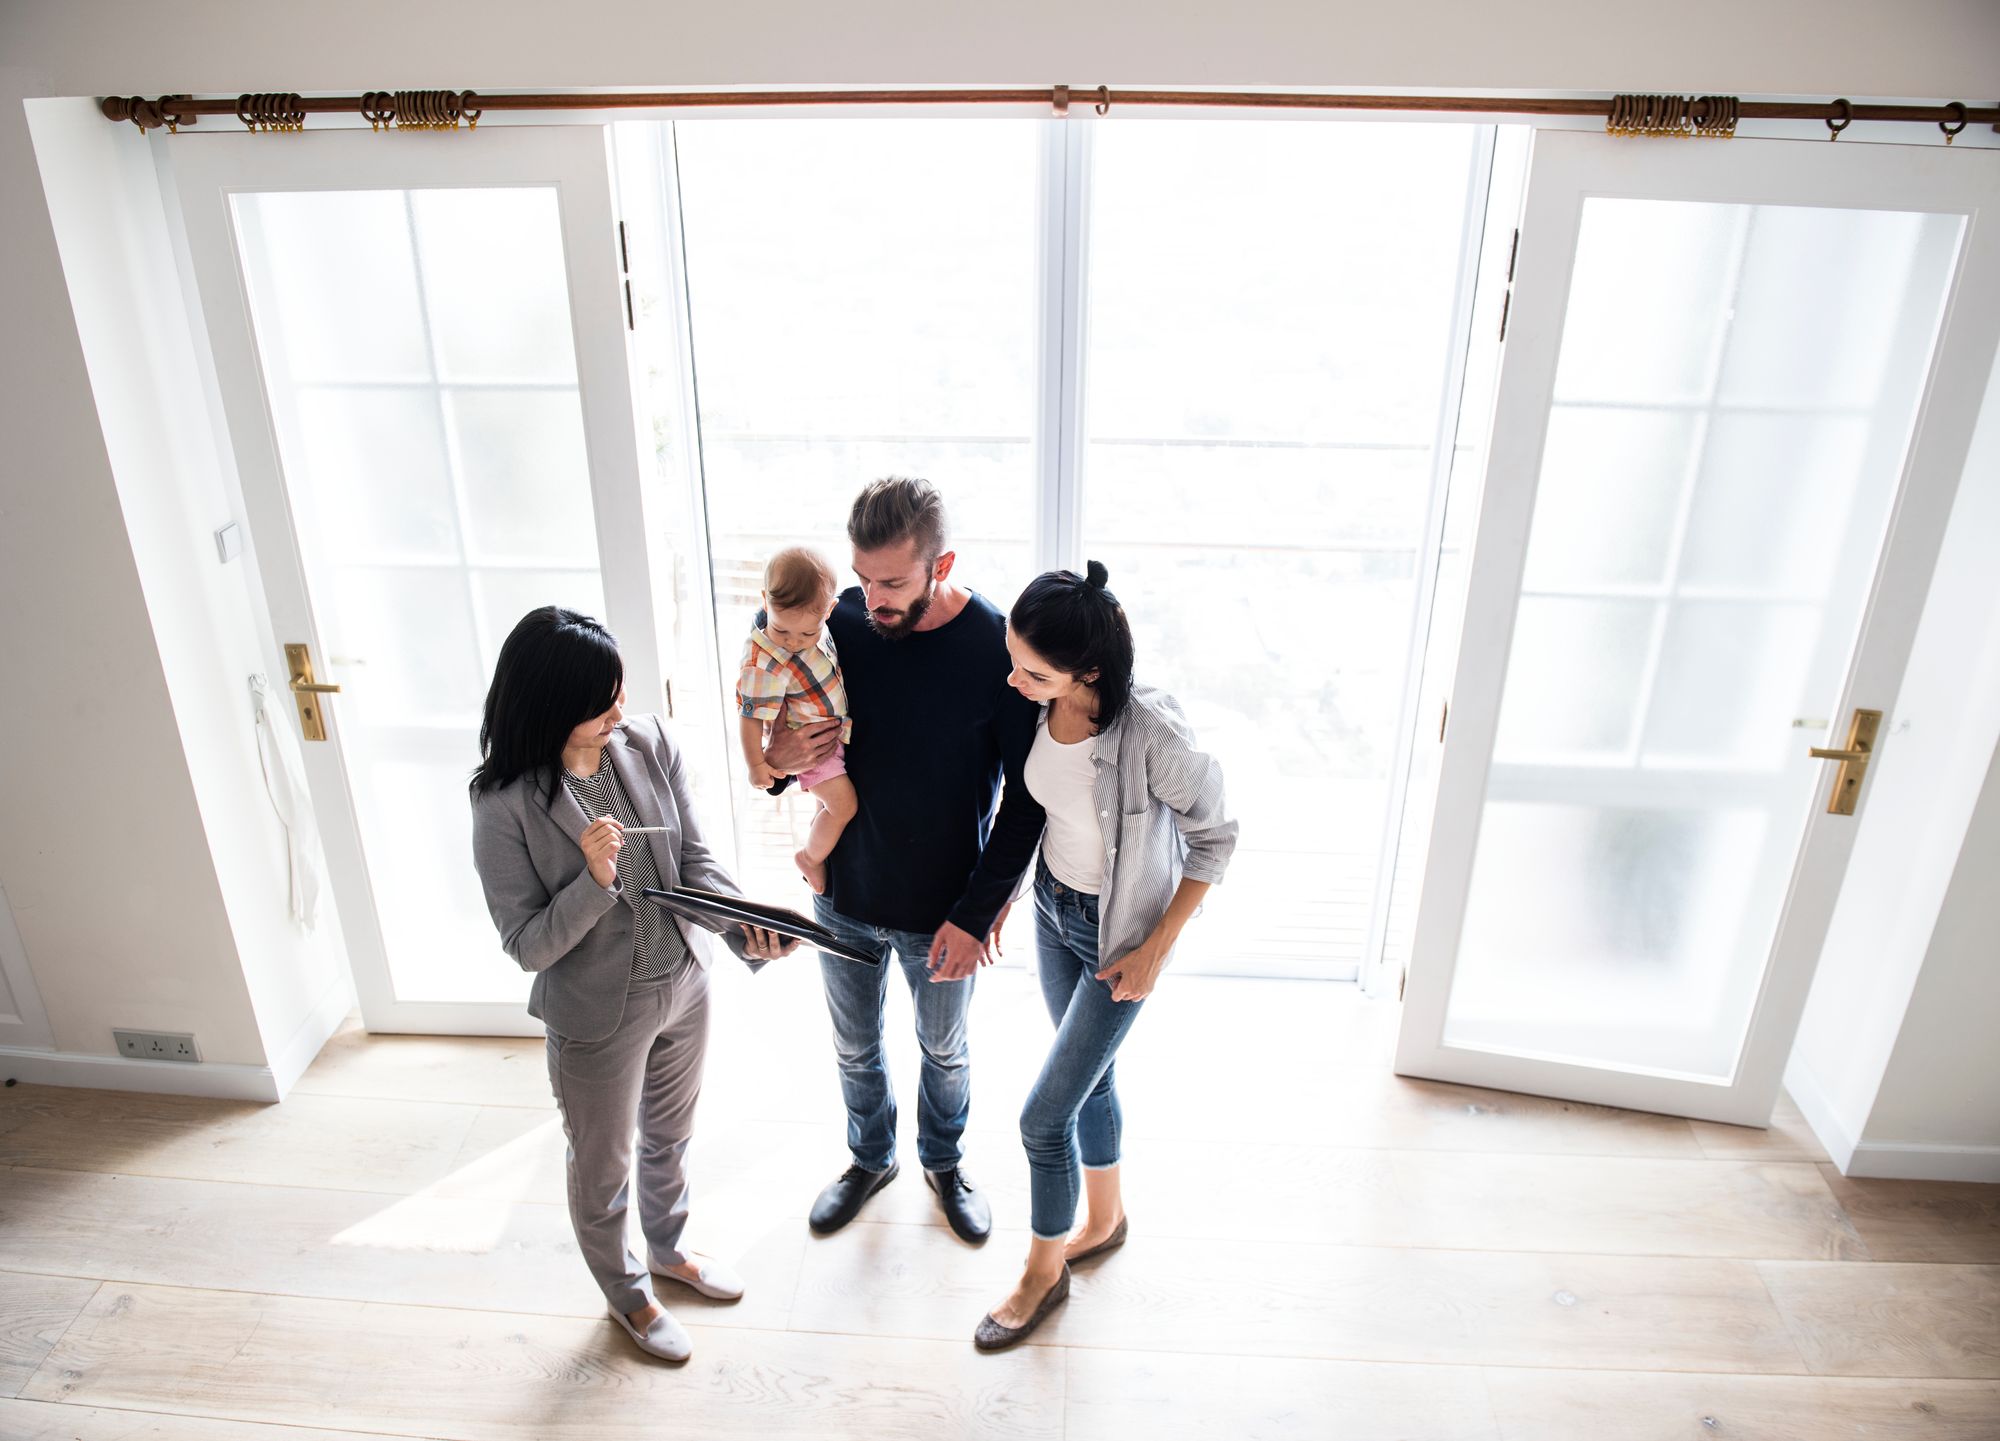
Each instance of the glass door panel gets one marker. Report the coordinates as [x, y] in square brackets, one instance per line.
[441, 489]
[1710, 512]
[1265, 373]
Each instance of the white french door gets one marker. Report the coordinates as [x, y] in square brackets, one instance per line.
[1737, 389]
[420, 345]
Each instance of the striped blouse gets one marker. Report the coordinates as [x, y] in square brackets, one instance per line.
[658, 948]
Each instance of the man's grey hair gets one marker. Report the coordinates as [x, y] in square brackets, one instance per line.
[895, 509]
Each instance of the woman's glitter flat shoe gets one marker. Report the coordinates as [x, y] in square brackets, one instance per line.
[1109, 1243]
[992, 1336]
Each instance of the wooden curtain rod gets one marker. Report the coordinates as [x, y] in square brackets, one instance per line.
[445, 108]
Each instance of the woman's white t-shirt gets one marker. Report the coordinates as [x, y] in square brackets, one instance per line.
[1060, 777]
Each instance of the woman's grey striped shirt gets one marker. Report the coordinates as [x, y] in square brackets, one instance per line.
[658, 948]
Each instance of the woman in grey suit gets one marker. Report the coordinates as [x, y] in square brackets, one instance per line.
[621, 988]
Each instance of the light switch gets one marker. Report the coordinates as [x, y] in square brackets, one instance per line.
[229, 542]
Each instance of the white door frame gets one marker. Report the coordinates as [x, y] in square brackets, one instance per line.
[1567, 167]
[24, 1024]
[573, 159]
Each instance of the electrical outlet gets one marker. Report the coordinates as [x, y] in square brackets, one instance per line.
[156, 1045]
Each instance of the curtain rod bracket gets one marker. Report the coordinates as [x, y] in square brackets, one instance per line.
[1059, 99]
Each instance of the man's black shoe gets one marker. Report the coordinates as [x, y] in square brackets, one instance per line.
[841, 1202]
[964, 1204]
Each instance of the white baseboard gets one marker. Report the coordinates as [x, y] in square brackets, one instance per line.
[1811, 1099]
[1924, 1161]
[217, 1080]
[313, 1033]
[1885, 1160]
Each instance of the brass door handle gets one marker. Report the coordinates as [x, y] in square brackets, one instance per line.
[298, 662]
[1853, 758]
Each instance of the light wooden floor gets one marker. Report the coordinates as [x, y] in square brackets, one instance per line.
[1319, 1250]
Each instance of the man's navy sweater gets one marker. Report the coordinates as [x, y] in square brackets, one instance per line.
[936, 729]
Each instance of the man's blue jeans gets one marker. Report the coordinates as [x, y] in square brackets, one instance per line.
[1072, 1114]
[854, 997]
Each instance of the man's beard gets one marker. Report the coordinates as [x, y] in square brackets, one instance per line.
[916, 612]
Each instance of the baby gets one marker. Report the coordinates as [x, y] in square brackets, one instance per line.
[790, 673]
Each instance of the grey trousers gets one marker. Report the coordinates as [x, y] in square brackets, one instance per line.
[644, 1075]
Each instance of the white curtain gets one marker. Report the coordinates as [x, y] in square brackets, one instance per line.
[285, 782]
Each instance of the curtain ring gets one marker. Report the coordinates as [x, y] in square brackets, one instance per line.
[472, 111]
[1951, 131]
[1846, 119]
[1104, 100]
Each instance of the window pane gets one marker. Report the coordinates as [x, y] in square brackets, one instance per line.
[863, 297]
[526, 475]
[1269, 321]
[496, 289]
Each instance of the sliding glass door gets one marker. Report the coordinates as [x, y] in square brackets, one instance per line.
[1275, 316]
[1223, 358]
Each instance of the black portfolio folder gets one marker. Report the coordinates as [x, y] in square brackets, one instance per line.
[722, 914]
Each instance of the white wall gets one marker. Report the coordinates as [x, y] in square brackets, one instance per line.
[140, 880]
[102, 850]
[1942, 48]
[1939, 1102]
[1888, 975]
[176, 484]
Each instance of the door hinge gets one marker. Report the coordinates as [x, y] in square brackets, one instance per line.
[625, 269]
[670, 697]
[1444, 714]
[1507, 300]
[625, 256]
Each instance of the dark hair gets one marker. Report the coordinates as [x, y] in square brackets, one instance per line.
[556, 671]
[1077, 625]
[895, 509]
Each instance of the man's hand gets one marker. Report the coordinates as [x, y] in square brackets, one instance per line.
[993, 936]
[955, 954]
[791, 752]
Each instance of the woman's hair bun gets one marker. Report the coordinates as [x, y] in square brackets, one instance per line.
[1095, 575]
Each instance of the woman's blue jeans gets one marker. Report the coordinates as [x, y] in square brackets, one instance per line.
[1072, 1112]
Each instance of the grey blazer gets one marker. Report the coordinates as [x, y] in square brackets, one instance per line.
[553, 918]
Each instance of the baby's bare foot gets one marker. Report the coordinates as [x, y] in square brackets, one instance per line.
[814, 872]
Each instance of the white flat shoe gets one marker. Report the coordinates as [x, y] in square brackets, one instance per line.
[711, 1278]
[664, 1338]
